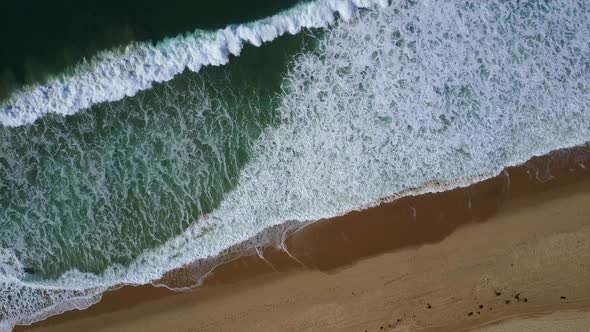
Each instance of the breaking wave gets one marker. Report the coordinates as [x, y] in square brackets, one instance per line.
[113, 75]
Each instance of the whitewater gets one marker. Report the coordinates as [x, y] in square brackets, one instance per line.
[116, 74]
[417, 96]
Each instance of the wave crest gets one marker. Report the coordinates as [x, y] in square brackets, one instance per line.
[116, 74]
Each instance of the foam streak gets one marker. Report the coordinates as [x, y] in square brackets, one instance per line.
[116, 74]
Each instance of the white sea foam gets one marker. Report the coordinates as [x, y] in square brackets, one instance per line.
[113, 75]
[423, 93]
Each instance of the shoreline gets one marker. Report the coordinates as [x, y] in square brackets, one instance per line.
[337, 245]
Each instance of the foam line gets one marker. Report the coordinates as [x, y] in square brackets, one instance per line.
[116, 74]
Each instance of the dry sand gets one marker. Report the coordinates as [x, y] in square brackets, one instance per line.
[510, 253]
[564, 321]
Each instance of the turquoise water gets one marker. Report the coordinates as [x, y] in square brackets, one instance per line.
[149, 158]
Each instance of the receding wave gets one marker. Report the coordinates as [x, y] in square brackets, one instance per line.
[416, 97]
[113, 75]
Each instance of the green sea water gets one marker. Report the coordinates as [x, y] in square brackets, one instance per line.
[98, 188]
[42, 38]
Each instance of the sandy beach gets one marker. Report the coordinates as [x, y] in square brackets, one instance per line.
[509, 253]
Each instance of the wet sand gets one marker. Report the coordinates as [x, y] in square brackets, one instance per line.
[504, 252]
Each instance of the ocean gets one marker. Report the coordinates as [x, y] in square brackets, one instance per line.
[144, 154]
[45, 38]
